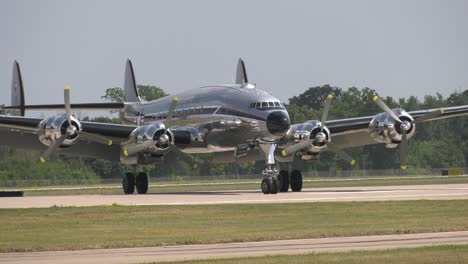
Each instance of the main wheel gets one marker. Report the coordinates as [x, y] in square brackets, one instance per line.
[142, 183]
[275, 185]
[296, 181]
[267, 185]
[128, 183]
[284, 181]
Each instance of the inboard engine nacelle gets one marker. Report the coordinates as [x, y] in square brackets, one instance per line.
[311, 129]
[151, 139]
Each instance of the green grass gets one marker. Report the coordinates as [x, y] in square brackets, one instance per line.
[421, 255]
[250, 185]
[60, 228]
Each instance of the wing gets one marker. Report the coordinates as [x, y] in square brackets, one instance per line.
[21, 132]
[353, 132]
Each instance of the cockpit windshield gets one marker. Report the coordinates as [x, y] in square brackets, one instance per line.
[266, 105]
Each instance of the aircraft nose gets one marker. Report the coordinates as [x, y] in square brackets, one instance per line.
[278, 122]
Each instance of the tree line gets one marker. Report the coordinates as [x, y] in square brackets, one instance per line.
[442, 143]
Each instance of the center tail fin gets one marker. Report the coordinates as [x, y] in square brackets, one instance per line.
[241, 74]
[17, 91]
[130, 87]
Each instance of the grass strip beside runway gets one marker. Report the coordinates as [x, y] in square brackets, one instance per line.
[421, 255]
[60, 228]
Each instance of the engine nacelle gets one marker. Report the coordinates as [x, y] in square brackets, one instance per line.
[156, 133]
[52, 128]
[311, 129]
[384, 129]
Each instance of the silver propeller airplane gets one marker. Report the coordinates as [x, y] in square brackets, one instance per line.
[235, 121]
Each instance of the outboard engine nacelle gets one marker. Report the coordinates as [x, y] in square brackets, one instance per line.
[384, 129]
[52, 128]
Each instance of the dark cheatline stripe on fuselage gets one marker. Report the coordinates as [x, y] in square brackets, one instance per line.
[233, 112]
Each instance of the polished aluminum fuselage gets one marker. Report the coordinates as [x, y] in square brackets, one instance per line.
[222, 114]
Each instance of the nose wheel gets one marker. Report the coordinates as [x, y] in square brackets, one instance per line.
[270, 185]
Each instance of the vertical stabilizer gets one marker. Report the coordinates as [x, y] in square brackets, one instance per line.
[17, 90]
[241, 75]
[130, 87]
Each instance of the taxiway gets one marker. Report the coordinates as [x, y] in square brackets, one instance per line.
[231, 250]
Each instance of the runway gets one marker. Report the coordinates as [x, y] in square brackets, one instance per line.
[231, 250]
[374, 193]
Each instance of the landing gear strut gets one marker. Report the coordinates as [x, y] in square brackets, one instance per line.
[270, 183]
[129, 182]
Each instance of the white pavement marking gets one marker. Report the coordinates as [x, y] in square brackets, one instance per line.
[230, 250]
[375, 193]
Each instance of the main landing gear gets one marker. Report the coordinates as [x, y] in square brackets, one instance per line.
[129, 182]
[293, 179]
[274, 182]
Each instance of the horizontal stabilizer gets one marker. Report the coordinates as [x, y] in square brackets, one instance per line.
[91, 106]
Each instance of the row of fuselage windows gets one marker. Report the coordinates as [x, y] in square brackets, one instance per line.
[265, 104]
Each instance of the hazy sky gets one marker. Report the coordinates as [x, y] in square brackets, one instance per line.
[399, 48]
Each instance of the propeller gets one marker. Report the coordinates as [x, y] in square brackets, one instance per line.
[320, 137]
[405, 126]
[71, 130]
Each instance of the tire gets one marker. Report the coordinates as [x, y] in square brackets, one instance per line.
[142, 183]
[296, 181]
[284, 181]
[128, 183]
[275, 186]
[266, 186]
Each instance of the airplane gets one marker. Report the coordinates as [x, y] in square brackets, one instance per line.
[235, 121]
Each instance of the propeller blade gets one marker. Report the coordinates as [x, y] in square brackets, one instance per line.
[340, 153]
[95, 137]
[429, 116]
[66, 95]
[133, 149]
[296, 147]
[386, 109]
[45, 156]
[171, 111]
[403, 150]
[326, 108]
